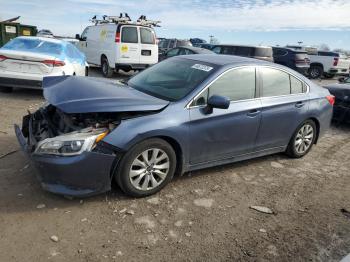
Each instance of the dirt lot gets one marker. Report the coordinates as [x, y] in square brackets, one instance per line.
[202, 216]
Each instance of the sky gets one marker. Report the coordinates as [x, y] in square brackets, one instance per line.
[251, 22]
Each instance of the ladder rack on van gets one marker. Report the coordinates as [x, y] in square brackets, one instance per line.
[124, 20]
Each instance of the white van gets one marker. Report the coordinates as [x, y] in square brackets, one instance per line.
[113, 46]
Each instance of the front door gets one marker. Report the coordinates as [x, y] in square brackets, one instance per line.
[225, 133]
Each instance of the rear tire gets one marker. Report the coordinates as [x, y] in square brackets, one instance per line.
[107, 71]
[6, 89]
[146, 168]
[302, 140]
[315, 72]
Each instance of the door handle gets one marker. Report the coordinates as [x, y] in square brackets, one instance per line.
[253, 113]
[299, 104]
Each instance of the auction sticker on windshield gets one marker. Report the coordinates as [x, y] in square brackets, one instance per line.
[202, 67]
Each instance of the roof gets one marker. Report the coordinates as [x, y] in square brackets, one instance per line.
[222, 60]
[197, 50]
[255, 46]
[46, 39]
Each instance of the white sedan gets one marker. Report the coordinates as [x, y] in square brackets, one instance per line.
[24, 61]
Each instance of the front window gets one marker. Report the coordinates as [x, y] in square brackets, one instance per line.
[172, 79]
[34, 45]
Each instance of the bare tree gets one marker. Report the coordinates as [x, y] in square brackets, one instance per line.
[324, 47]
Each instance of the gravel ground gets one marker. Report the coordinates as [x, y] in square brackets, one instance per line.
[201, 216]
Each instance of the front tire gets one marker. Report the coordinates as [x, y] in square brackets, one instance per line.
[302, 140]
[146, 168]
[107, 71]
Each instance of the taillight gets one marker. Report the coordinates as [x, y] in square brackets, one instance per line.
[2, 58]
[53, 63]
[336, 60]
[331, 99]
[117, 37]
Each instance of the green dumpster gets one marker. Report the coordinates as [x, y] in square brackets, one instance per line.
[10, 30]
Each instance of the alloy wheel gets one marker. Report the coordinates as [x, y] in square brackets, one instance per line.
[149, 169]
[304, 139]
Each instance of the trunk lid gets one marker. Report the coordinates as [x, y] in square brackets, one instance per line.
[25, 62]
[73, 94]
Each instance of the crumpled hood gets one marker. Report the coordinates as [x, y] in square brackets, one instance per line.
[73, 94]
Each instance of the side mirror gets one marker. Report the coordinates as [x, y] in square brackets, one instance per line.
[77, 36]
[216, 101]
[341, 79]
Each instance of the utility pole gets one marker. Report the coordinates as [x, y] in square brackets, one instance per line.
[211, 39]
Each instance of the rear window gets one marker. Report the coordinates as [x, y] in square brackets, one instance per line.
[129, 34]
[147, 36]
[263, 52]
[34, 45]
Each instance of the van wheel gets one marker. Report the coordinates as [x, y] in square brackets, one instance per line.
[107, 71]
[6, 89]
[302, 140]
[315, 72]
[146, 168]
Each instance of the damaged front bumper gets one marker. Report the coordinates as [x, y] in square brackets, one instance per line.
[82, 175]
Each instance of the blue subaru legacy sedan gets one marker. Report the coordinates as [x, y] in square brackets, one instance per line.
[185, 113]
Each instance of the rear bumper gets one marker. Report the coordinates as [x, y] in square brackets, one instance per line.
[83, 175]
[17, 82]
[302, 70]
[132, 66]
[339, 71]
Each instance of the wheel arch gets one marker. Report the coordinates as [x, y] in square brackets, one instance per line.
[316, 64]
[178, 149]
[317, 123]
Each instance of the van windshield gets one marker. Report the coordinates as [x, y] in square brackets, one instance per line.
[172, 79]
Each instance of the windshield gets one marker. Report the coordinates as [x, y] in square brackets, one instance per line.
[172, 79]
[34, 45]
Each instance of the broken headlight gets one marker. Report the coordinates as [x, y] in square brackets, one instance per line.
[71, 144]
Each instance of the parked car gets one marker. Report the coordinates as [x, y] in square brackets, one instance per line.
[322, 63]
[45, 33]
[189, 50]
[197, 41]
[341, 91]
[342, 68]
[24, 61]
[206, 46]
[295, 59]
[257, 52]
[182, 114]
[115, 45]
[166, 44]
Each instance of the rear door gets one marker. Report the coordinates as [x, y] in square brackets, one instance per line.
[149, 48]
[284, 107]
[130, 49]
